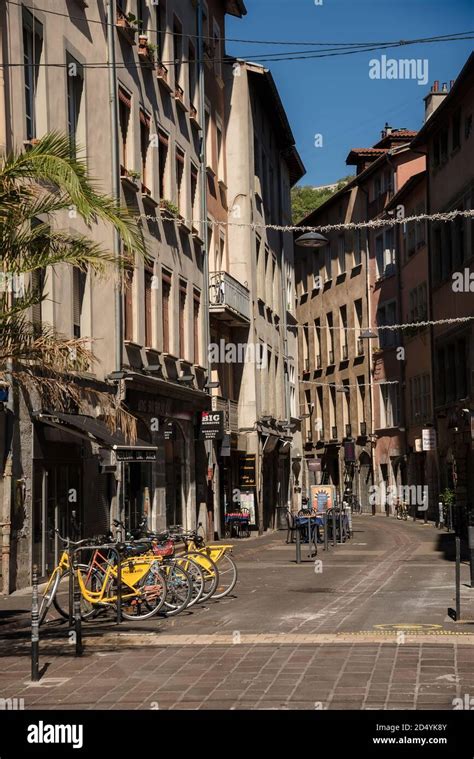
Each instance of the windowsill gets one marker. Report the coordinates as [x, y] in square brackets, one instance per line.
[132, 344]
[356, 269]
[169, 356]
[148, 198]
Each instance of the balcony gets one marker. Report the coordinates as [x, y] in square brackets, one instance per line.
[306, 365]
[231, 413]
[363, 429]
[162, 76]
[229, 301]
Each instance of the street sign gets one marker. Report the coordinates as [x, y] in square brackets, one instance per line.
[428, 437]
[418, 445]
[247, 470]
[349, 452]
[314, 465]
[323, 497]
[212, 425]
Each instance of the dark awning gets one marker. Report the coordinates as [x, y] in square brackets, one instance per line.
[93, 429]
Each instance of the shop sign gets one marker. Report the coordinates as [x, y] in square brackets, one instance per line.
[349, 452]
[428, 437]
[212, 425]
[323, 497]
[247, 501]
[418, 445]
[247, 470]
[169, 432]
[135, 454]
[314, 465]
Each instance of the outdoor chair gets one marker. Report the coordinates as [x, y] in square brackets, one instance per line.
[291, 527]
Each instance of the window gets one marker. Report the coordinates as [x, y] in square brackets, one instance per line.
[179, 180]
[256, 155]
[317, 343]
[420, 398]
[330, 338]
[182, 318]
[386, 315]
[163, 143]
[327, 261]
[357, 247]
[196, 312]
[194, 184]
[78, 289]
[192, 75]
[217, 45]
[128, 305]
[418, 308]
[220, 152]
[75, 85]
[165, 309]
[341, 254]
[125, 107]
[389, 406]
[161, 28]
[38, 278]
[306, 347]
[443, 145]
[332, 413]
[208, 137]
[148, 280]
[343, 332]
[142, 14]
[144, 144]
[358, 326]
[346, 404]
[385, 253]
[32, 50]
[177, 51]
[361, 398]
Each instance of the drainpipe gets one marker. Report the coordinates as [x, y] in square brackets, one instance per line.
[208, 444]
[112, 68]
[286, 378]
[369, 320]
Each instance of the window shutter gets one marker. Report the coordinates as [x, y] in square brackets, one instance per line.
[148, 311]
[128, 305]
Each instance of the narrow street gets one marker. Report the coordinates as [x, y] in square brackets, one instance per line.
[367, 629]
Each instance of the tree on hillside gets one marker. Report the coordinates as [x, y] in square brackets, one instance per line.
[305, 199]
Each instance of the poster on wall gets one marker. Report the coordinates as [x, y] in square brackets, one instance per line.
[323, 497]
[247, 501]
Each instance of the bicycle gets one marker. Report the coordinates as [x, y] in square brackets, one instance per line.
[402, 510]
[143, 584]
[219, 553]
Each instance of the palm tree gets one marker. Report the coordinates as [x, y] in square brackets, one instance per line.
[36, 186]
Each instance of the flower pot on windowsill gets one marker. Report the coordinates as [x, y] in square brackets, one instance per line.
[193, 116]
[125, 28]
[146, 52]
[169, 210]
[179, 97]
[162, 75]
[130, 179]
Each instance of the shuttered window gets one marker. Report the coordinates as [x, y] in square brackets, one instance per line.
[37, 285]
[128, 305]
[148, 274]
[196, 309]
[182, 315]
[78, 289]
[165, 311]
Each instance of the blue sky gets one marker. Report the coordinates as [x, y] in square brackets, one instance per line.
[334, 96]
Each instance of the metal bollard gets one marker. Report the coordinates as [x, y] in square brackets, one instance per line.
[458, 578]
[298, 545]
[340, 527]
[71, 587]
[440, 515]
[325, 526]
[119, 588]
[333, 525]
[34, 627]
[77, 608]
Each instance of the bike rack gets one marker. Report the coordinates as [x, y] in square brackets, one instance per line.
[75, 618]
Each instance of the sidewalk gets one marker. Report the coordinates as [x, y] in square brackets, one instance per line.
[367, 629]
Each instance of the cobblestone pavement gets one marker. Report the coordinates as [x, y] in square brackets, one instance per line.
[366, 629]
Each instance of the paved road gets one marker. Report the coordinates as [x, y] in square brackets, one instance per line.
[365, 628]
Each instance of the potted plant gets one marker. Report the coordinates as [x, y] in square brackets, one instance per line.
[171, 209]
[146, 50]
[127, 23]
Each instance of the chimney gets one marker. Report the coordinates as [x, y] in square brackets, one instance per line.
[386, 130]
[434, 98]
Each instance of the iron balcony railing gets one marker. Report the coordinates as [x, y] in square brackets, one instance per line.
[225, 292]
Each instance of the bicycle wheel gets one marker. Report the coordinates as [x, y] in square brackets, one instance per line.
[227, 576]
[92, 580]
[179, 588]
[48, 595]
[197, 576]
[150, 594]
[210, 571]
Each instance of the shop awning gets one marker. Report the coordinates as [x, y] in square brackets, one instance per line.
[95, 430]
